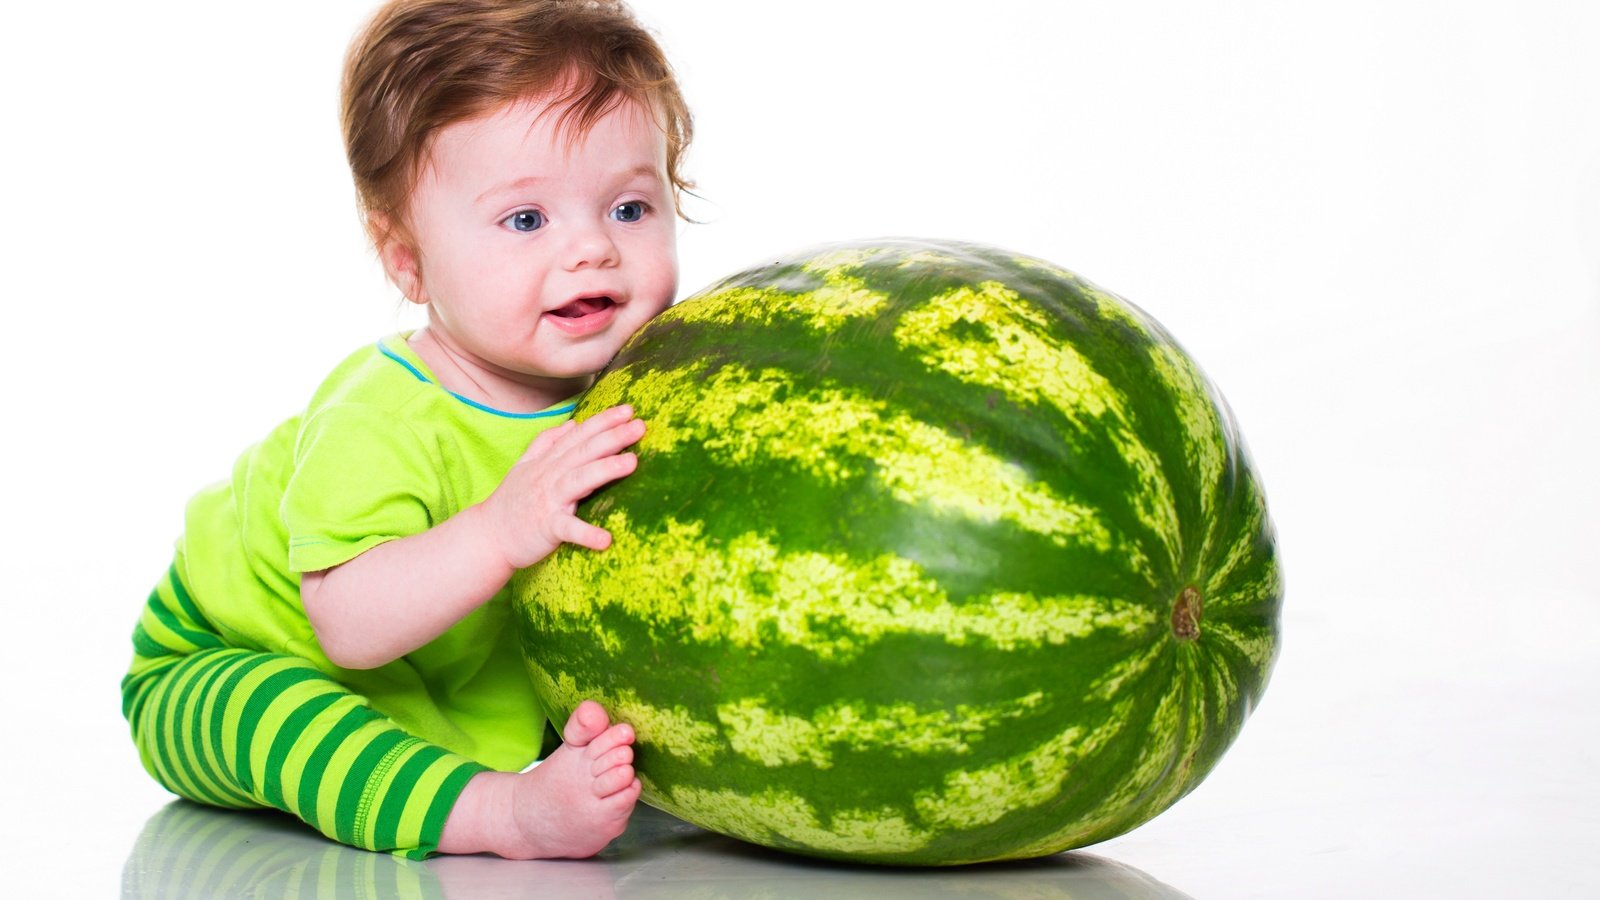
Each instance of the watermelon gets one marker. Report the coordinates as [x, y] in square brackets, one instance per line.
[935, 554]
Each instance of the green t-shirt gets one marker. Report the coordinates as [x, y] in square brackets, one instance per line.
[382, 452]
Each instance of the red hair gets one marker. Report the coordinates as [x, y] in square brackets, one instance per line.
[421, 65]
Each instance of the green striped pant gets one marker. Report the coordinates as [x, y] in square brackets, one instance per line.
[244, 729]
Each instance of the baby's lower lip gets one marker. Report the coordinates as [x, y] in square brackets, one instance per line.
[584, 324]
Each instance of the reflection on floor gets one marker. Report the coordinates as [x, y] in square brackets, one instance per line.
[187, 850]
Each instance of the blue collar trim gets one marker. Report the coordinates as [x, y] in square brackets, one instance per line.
[561, 410]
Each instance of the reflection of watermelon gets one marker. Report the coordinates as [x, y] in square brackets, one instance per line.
[934, 554]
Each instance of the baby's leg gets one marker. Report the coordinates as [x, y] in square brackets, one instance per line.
[245, 729]
[571, 805]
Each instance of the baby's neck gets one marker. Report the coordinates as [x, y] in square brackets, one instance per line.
[461, 373]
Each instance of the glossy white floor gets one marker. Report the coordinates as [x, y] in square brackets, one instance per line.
[1375, 224]
[188, 849]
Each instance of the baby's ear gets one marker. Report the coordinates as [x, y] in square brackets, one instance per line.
[399, 257]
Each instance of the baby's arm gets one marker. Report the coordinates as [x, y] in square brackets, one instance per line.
[402, 594]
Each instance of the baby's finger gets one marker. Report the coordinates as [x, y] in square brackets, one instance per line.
[587, 478]
[573, 530]
[622, 412]
[609, 417]
[618, 436]
[583, 438]
[543, 441]
[604, 439]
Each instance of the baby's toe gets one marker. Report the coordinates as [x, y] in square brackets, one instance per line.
[586, 723]
[616, 756]
[614, 780]
[618, 735]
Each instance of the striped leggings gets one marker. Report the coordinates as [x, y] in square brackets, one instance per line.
[245, 729]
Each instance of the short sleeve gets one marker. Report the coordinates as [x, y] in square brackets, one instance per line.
[361, 477]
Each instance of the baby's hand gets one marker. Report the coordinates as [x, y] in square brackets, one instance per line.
[533, 511]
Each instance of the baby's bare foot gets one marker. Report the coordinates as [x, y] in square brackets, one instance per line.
[570, 806]
[579, 799]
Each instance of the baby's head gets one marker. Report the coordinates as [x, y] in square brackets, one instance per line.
[517, 162]
[422, 65]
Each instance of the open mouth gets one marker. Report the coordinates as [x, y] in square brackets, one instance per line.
[584, 306]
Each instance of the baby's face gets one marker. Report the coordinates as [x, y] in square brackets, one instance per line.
[542, 251]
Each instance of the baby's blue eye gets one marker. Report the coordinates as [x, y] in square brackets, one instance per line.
[525, 221]
[632, 211]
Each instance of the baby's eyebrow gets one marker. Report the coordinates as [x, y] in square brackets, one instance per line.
[642, 170]
[522, 183]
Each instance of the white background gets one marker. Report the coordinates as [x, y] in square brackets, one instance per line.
[1375, 224]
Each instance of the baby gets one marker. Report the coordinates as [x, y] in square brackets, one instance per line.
[334, 637]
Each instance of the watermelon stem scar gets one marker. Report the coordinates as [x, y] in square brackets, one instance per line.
[1186, 614]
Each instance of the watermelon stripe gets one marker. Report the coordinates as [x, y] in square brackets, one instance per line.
[823, 302]
[990, 336]
[1202, 427]
[675, 731]
[1246, 545]
[1124, 672]
[836, 437]
[757, 732]
[970, 798]
[675, 576]
[1258, 646]
[788, 820]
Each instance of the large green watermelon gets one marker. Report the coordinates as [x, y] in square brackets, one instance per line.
[934, 554]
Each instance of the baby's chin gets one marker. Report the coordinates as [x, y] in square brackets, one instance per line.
[573, 372]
